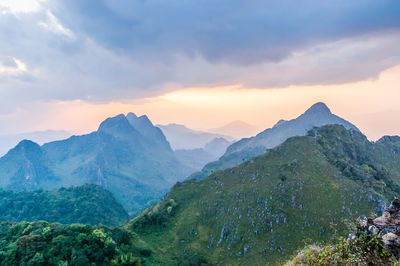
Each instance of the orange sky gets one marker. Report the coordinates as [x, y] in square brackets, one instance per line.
[371, 105]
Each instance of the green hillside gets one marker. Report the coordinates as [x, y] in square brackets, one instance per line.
[88, 204]
[265, 209]
[127, 155]
[260, 212]
[42, 243]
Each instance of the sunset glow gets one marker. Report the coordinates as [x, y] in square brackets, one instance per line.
[372, 105]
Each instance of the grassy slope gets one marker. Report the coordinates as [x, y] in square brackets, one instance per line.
[257, 213]
[265, 209]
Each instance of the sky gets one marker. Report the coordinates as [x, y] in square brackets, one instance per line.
[203, 63]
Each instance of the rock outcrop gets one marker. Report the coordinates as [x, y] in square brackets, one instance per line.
[387, 226]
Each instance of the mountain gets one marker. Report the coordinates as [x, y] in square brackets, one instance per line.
[40, 137]
[217, 146]
[316, 116]
[183, 138]
[88, 204]
[25, 167]
[198, 158]
[259, 212]
[237, 129]
[126, 155]
[264, 209]
[244, 149]
[148, 130]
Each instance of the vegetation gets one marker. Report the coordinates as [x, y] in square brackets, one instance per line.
[373, 164]
[265, 209]
[260, 212]
[88, 204]
[364, 249]
[42, 243]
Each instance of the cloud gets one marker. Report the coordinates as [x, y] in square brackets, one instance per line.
[20, 6]
[241, 32]
[105, 50]
[53, 25]
[11, 65]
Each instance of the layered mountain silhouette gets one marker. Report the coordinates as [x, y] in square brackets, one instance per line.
[237, 129]
[316, 116]
[126, 155]
[182, 138]
[198, 158]
[264, 209]
[300, 189]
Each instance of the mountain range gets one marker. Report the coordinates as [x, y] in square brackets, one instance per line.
[298, 182]
[182, 138]
[263, 210]
[198, 158]
[133, 159]
[244, 149]
[126, 155]
[195, 148]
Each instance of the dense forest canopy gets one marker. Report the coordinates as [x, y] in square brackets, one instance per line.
[88, 204]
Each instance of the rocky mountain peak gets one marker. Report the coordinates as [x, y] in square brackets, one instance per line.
[145, 120]
[132, 115]
[119, 127]
[116, 122]
[280, 122]
[27, 147]
[318, 108]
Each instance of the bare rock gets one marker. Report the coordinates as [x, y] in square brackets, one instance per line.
[387, 226]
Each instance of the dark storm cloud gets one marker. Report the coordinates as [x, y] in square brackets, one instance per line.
[239, 32]
[104, 50]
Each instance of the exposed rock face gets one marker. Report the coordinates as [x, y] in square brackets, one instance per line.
[387, 226]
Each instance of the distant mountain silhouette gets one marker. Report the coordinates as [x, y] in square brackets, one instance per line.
[237, 129]
[126, 155]
[198, 158]
[9, 141]
[180, 137]
[26, 167]
[316, 116]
